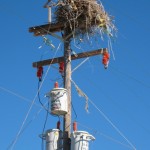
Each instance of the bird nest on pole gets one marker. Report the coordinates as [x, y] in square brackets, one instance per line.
[84, 16]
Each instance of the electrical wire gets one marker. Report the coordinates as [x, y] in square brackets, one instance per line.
[131, 77]
[29, 122]
[82, 50]
[18, 95]
[132, 118]
[112, 124]
[47, 112]
[137, 98]
[29, 110]
[80, 64]
[104, 135]
[43, 106]
[27, 125]
[125, 83]
[42, 144]
[33, 102]
[76, 116]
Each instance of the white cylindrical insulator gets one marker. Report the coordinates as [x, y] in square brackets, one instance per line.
[49, 14]
[80, 140]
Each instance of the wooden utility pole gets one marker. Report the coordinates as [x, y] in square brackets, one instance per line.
[40, 30]
[73, 18]
[67, 85]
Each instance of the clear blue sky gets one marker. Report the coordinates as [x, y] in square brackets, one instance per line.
[122, 92]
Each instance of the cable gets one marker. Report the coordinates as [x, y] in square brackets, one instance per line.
[128, 87]
[74, 111]
[43, 106]
[131, 77]
[21, 128]
[80, 64]
[25, 127]
[16, 138]
[111, 123]
[137, 98]
[132, 118]
[18, 95]
[42, 144]
[28, 112]
[29, 122]
[105, 136]
[47, 112]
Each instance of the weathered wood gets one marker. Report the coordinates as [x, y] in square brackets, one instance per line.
[67, 85]
[73, 57]
[46, 29]
[54, 27]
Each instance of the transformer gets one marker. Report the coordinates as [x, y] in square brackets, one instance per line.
[80, 140]
[58, 98]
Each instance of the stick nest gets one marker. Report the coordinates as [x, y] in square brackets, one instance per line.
[83, 16]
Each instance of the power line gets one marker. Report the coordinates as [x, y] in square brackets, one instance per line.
[131, 77]
[28, 112]
[26, 126]
[104, 135]
[74, 111]
[42, 144]
[47, 112]
[110, 122]
[80, 64]
[146, 104]
[116, 104]
[18, 95]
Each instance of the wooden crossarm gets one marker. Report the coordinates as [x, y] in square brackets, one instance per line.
[73, 57]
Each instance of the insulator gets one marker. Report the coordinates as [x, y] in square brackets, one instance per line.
[61, 67]
[39, 72]
[56, 85]
[105, 59]
[58, 125]
[74, 126]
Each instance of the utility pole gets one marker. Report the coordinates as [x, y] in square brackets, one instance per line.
[73, 18]
[67, 85]
[67, 71]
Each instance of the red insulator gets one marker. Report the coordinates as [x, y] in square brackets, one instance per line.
[56, 85]
[74, 126]
[58, 125]
[61, 67]
[39, 72]
[105, 59]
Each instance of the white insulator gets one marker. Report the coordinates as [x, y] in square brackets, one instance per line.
[80, 140]
[49, 15]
